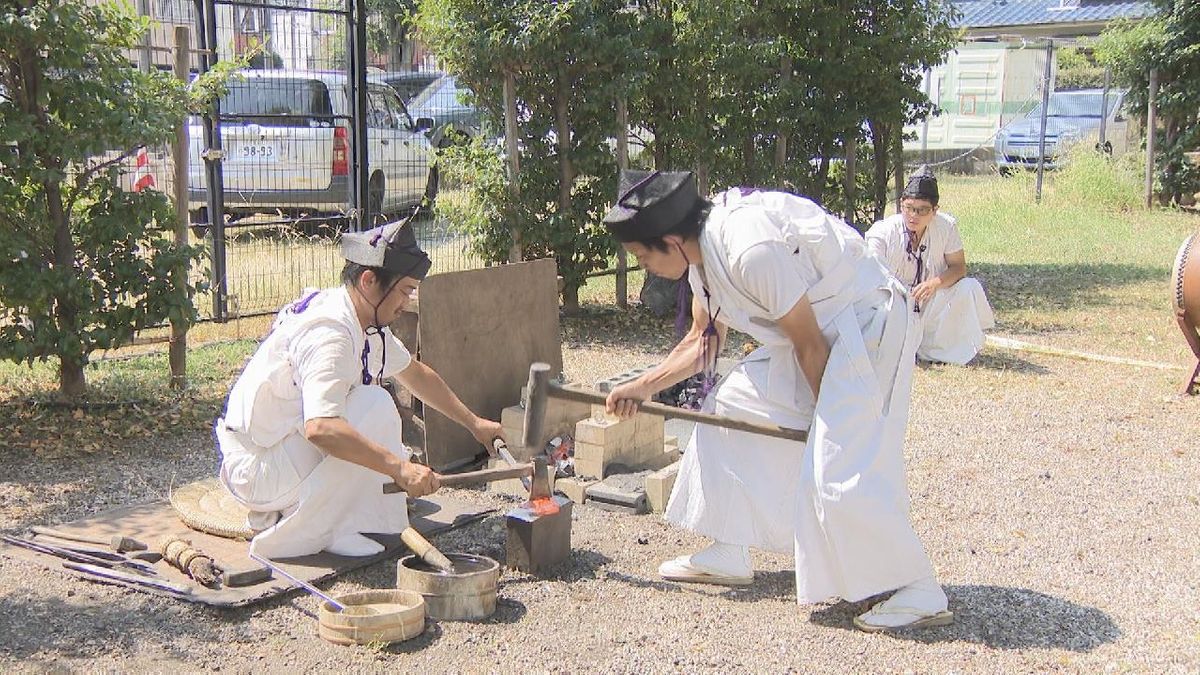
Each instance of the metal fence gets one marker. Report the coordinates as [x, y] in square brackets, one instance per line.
[314, 136]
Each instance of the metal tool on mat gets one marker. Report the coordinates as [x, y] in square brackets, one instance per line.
[100, 558]
[110, 574]
[117, 542]
[299, 583]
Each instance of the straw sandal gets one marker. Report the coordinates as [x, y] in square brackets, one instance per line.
[923, 619]
[683, 569]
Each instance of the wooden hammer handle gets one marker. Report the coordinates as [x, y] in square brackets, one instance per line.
[671, 412]
[473, 477]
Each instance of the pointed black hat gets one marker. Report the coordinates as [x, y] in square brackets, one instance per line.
[650, 203]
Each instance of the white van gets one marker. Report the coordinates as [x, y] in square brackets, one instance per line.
[286, 140]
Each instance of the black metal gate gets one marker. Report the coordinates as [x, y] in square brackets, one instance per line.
[285, 149]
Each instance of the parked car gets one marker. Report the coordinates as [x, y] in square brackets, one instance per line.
[410, 83]
[1071, 117]
[444, 101]
[286, 139]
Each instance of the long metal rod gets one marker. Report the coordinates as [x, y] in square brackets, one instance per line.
[255, 4]
[1151, 123]
[213, 171]
[1041, 167]
[360, 178]
[1104, 107]
[299, 583]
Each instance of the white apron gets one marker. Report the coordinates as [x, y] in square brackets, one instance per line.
[840, 502]
[268, 464]
[953, 322]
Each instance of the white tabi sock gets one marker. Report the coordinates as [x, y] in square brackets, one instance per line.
[726, 559]
[355, 545]
[919, 599]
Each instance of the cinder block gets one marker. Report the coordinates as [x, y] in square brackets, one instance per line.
[575, 488]
[616, 436]
[659, 485]
[671, 443]
[666, 457]
[651, 429]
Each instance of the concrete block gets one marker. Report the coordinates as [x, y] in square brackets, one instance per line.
[659, 485]
[574, 487]
[670, 443]
[666, 457]
[616, 436]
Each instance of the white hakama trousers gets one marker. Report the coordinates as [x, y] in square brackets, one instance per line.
[321, 498]
[953, 321]
[839, 502]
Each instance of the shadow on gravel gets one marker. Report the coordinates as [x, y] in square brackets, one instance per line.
[433, 632]
[1001, 618]
[583, 564]
[37, 627]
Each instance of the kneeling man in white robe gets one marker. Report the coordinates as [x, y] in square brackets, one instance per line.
[838, 336]
[309, 436]
[923, 249]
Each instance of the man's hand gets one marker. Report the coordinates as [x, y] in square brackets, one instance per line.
[624, 400]
[925, 290]
[416, 479]
[485, 431]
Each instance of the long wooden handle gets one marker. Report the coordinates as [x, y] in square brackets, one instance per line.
[473, 477]
[671, 412]
[425, 550]
[69, 536]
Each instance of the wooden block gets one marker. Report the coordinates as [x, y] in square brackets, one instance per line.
[659, 485]
[575, 488]
[671, 443]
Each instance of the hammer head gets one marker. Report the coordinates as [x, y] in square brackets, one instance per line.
[535, 407]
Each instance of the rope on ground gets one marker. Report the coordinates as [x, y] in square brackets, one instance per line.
[1018, 345]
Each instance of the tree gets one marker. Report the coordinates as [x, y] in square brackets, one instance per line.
[390, 32]
[1166, 42]
[85, 264]
[568, 60]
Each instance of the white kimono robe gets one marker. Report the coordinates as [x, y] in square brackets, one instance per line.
[840, 502]
[311, 366]
[953, 320]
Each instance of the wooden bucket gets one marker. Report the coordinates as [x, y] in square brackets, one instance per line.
[468, 594]
[372, 617]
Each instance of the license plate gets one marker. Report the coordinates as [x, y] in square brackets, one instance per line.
[263, 152]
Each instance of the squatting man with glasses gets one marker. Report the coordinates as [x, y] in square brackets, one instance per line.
[309, 436]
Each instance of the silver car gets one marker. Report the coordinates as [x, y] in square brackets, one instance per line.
[1071, 117]
[286, 140]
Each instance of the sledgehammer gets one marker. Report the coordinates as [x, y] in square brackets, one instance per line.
[542, 388]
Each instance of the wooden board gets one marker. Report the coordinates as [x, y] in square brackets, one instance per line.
[480, 330]
[150, 522]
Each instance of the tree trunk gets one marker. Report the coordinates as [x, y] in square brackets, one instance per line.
[879, 145]
[566, 175]
[71, 382]
[515, 252]
[781, 142]
[397, 36]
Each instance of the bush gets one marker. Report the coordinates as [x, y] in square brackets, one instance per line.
[1099, 180]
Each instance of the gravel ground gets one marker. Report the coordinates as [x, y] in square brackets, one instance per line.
[1058, 500]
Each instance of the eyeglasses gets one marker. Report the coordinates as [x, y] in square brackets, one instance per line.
[917, 210]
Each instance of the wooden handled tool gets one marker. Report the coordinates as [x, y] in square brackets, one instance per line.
[473, 477]
[117, 542]
[425, 550]
[542, 388]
